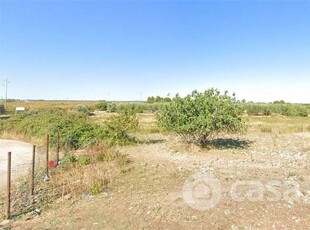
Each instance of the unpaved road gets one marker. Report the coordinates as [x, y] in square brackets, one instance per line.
[21, 158]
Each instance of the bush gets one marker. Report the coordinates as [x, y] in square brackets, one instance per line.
[75, 129]
[81, 108]
[102, 106]
[2, 110]
[199, 116]
[111, 108]
[118, 126]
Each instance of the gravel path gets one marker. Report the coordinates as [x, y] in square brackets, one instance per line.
[21, 157]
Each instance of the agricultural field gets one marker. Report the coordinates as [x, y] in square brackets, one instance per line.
[45, 105]
[262, 174]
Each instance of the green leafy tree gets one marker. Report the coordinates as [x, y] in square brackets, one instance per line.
[199, 116]
[279, 102]
[150, 99]
[158, 99]
[166, 99]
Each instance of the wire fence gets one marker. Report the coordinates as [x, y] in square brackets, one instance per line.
[28, 179]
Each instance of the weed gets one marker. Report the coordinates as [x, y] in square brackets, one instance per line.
[291, 174]
[69, 159]
[95, 189]
[84, 160]
[122, 162]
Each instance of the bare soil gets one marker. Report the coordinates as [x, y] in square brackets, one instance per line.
[20, 158]
[149, 196]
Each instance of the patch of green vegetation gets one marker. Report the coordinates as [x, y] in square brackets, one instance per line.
[199, 116]
[158, 99]
[282, 108]
[2, 110]
[137, 107]
[84, 160]
[95, 189]
[76, 129]
[102, 106]
[69, 159]
[291, 174]
[82, 109]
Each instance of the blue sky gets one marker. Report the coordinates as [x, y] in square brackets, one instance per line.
[117, 50]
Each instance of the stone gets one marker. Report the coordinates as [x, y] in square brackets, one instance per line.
[5, 223]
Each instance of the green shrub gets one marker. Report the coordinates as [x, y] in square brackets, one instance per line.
[32, 112]
[117, 128]
[76, 129]
[199, 116]
[111, 108]
[81, 108]
[102, 106]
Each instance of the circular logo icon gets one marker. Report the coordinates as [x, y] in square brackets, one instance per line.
[202, 191]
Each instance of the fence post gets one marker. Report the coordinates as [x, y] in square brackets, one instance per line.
[47, 152]
[8, 210]
[58, 147]
[32, 169]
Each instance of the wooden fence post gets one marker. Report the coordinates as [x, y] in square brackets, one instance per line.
[47, 152]
[58, 147]
[32, 170]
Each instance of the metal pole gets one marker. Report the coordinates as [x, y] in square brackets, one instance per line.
[8, 210]
[47, 152]
[58, 147]
[32, 169]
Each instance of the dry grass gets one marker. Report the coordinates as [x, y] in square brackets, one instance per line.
[70, 180]
[46, 105]
[278, 124]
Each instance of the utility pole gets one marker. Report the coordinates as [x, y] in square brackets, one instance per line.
[108, 99]
[141, 96]
[6, 82]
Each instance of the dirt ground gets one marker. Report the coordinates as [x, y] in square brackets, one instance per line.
[262, 181]
[21, 156]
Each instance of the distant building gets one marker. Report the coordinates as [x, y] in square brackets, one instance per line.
[19, 109]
